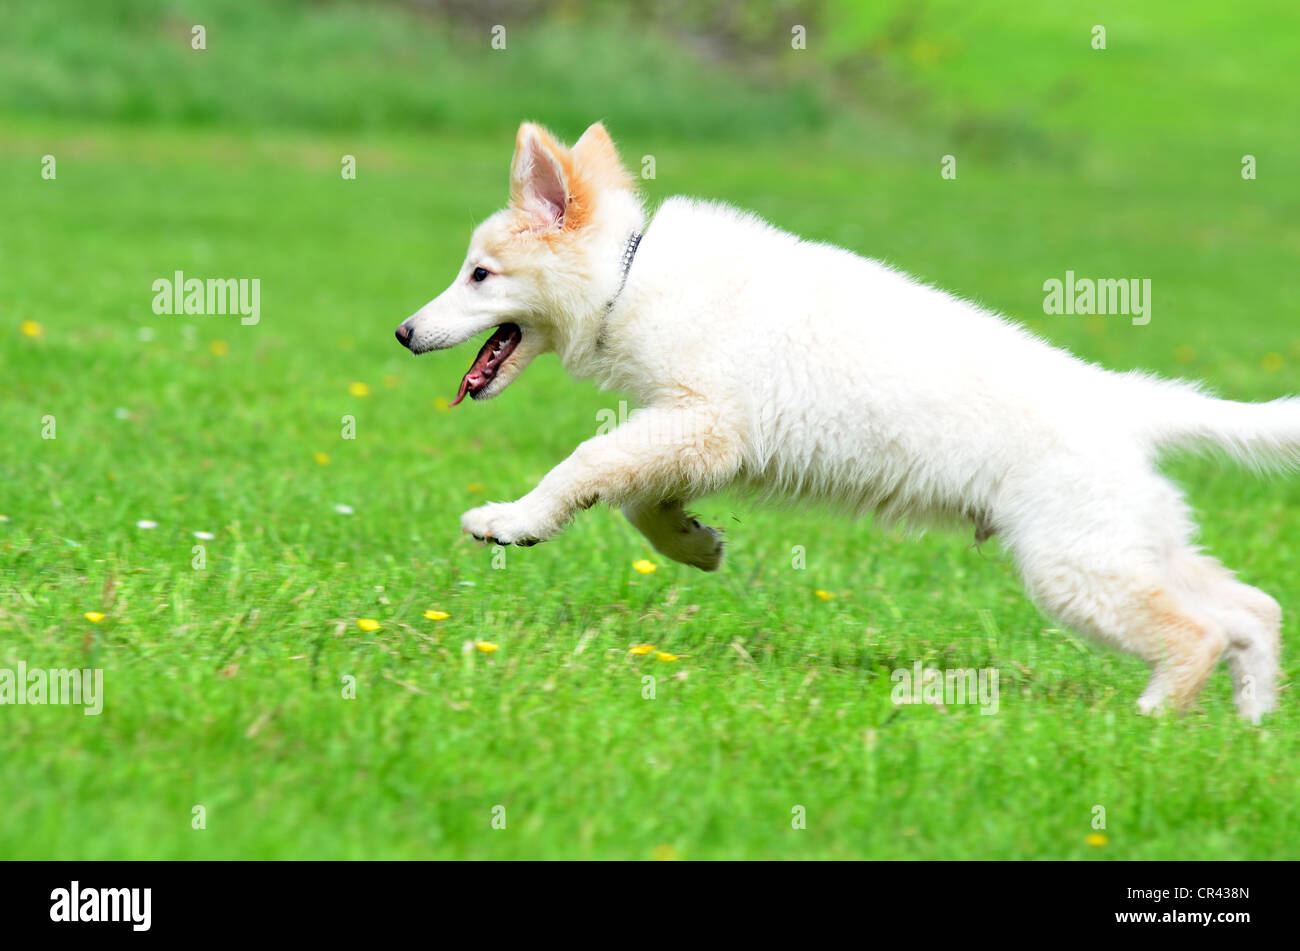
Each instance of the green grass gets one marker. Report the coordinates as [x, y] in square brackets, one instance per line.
[224, 686]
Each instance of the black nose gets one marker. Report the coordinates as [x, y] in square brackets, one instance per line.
[404, 335]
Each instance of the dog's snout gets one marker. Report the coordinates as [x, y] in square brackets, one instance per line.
[404, 333]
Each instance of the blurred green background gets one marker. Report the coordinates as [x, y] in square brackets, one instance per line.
[224, 684]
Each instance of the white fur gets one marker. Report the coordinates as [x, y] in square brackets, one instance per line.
[801, 371]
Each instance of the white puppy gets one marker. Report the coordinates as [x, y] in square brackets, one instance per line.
[787, 368]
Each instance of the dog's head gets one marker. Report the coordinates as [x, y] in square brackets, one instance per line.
[541, 270]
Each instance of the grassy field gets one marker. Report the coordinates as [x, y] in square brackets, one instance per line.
[225, 685]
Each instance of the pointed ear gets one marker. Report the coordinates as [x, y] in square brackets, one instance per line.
[597, 157]
[538, 185]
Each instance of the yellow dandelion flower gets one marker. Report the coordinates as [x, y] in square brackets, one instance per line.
[359, 389]
[30, 328]
[1097, 839]
[219, 348]
[322, 458]
[666, 657]
[94, 617]
[824, 595]
[644, 566]
[1272, 362]
[367, 624]
[641, 649]
[436, 615]
[664, 853]
[474, 487]
[486, 647]
[441, 404]
[927, 53]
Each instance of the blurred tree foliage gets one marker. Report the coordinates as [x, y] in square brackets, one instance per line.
[727, 29]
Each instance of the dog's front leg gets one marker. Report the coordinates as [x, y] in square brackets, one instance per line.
[675, 533]
[657, 454]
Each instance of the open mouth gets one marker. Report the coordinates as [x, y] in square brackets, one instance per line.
[494, 353]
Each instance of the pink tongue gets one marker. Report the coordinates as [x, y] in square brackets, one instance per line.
[483, 369]
[464, 388]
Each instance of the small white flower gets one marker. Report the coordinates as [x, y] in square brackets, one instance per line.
[466, 584]
[205, 536]
[122, 413]
[4, 518]
[343, 509]
[146, 524]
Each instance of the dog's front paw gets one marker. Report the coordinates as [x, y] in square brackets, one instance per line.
[711, 549]
[677, 534]
[696, 545]
[506, 523]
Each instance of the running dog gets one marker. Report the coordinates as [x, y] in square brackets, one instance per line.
[787, 368]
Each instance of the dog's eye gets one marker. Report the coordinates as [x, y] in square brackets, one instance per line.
[480, 274]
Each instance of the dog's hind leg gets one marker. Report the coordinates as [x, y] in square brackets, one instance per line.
[1182, 645]
[1143, 614]
[1254, 651]
[1253, 622]
[1111, 562]
[675, 534]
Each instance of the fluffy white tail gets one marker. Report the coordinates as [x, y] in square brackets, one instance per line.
[1263, 436]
